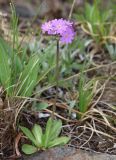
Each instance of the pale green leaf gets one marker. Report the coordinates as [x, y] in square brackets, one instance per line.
[58, 141]
[41, 106]
[5, 71]
[29, 149]
[37, 132]
[28, 78]
[29, 135]
[56, 129]
[46, 137]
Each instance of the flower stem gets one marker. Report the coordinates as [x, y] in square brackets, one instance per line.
[56, 78]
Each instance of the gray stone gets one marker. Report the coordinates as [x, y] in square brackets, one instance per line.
[67, 153]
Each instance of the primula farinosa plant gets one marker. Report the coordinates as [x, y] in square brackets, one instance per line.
[64, 32]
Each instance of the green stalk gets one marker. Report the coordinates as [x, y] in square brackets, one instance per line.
[56, 78]
[14, 27]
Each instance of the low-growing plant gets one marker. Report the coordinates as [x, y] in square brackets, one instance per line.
[20, 72]
[16, 77]
[42, 141]
[95, 20]
[85, 95]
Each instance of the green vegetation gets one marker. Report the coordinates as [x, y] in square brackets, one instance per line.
[96, 21]
[44, 140]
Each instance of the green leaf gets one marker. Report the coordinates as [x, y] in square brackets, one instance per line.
[46, 137]
[41, 106]
[56, 129]
[85, 93]
[58, 141]
[28, 78]
[28, 133]
[29, 149]
[53, 129]
[5, 71]
[6, 47]
[18, 65]
[112, 51]
[37, 132]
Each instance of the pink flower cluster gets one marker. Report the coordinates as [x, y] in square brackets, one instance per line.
[60, 27]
